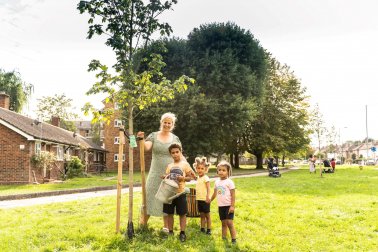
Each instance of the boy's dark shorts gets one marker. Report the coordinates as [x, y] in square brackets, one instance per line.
[203, 207]
[180, 204]
[223, 213]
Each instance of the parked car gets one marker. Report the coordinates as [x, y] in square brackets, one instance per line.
[370, 162]
[317, 162]
[304, 162]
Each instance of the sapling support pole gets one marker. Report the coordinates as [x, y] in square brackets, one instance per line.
[119, 183]
[143, 174]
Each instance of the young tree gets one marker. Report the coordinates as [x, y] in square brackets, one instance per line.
[320, 131]
[58, 105]
[19, 92]
[129, 25]
[95, 132]
[331, 139]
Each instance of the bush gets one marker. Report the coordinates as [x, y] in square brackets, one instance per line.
[73, 169]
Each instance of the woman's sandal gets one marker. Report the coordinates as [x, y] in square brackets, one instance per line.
[165, 230]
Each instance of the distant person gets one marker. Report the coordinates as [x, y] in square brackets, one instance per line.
[311, 163]
[270, 162]
[333, 164]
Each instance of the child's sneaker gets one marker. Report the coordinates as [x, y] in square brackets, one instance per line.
[208, 233]
[201, 232]
[234, 241]
[182, 237]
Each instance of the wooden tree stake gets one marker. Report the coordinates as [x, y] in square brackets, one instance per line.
[143, 174]
[119, 184]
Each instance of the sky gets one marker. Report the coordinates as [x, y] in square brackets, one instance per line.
[331, 45]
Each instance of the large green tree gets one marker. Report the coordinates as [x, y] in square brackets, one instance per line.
[229, 65]
[19, 92]
[58, 105]
[282, 126]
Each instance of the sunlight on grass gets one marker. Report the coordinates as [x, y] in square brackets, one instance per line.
[297, 212]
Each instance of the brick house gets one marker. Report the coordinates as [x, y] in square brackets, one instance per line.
[21, 138]
[111, 143]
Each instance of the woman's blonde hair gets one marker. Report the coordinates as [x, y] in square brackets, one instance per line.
[202, 161]
[171, 116]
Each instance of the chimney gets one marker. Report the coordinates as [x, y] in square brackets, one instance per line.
[4, 100]
[55, 121]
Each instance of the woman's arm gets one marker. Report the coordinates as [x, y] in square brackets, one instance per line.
[147, 144]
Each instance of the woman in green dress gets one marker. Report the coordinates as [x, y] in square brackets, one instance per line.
[159, 142]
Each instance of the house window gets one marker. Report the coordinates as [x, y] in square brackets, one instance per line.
[117, 123]
[116, 157]
[68, 154]
[116, 140]
[94, 156]
[60, 153]
[116, 105]
[37, 148]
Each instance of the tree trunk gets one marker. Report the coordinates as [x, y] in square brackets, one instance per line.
[232, 160]
[283, 160]
[131, 166]
[259, 161]
[191, 160]
[237, 160]
[277, 162]
[219, 157]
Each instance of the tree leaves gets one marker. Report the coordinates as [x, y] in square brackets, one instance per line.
[19, 92]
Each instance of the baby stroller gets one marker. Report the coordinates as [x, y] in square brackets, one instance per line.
[328, 166]
[274, 172]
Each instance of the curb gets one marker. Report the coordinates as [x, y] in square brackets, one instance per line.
[92, 189]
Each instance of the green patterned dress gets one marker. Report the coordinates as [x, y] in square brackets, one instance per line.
[160, 160]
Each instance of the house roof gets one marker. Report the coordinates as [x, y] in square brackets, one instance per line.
[371, 144]
[45, 131]
[84, 124]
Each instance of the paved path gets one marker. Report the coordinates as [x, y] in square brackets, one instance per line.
[87, 195]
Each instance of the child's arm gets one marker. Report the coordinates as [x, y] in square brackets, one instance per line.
[208, 192]
[214, 195]
[232, 207]
[165, 175]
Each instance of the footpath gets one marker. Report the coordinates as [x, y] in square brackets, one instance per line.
[30, 199]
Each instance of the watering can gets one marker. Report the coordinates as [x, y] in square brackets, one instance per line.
[168, 191]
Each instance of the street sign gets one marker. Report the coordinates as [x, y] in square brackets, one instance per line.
[373, 149]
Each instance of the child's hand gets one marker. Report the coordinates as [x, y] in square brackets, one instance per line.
[140, 134]
[163, 176]
[207, 200]
[180, 178]
[231, 210]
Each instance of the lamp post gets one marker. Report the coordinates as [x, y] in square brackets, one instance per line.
[341, 144]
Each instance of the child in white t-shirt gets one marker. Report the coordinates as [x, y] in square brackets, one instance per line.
[203, 193]
[224, 189]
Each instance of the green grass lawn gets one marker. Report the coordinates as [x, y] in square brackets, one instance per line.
[96, 180]
[297, 212]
